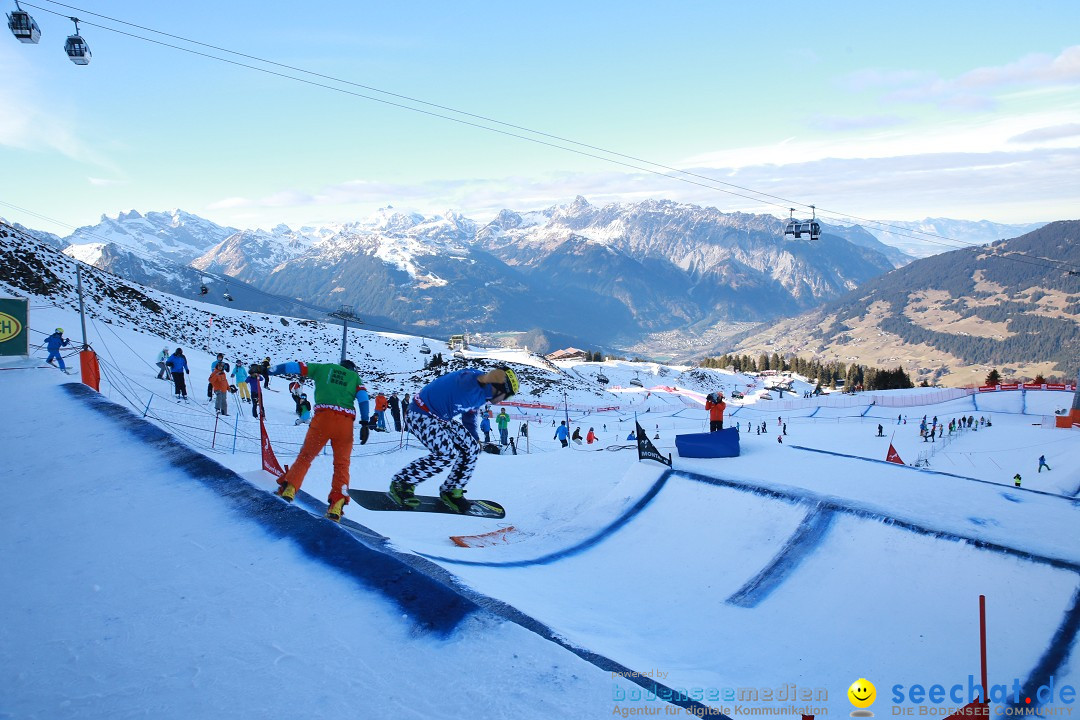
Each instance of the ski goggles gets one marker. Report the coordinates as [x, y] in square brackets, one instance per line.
[510, 387]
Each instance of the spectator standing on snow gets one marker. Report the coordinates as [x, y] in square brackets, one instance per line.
[240, 374]
[53, 343]
[219, 383]
[163, 369]
[503, 421]
[213, 366]
[395, 411]
[880, 431]
[485, 427]
[381, 403]
[253, 380]
[715, 404]
[562, 433]
[363, 408]
[178, 365]
[1042, 463]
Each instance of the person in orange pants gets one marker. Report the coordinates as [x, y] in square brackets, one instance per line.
[335, 395]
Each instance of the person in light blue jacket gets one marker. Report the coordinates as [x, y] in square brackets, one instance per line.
[363, 410]
[240, 373]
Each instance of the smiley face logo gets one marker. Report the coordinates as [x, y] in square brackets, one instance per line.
[862, 694]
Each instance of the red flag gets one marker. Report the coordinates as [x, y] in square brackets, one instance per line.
[893, 456]
[269, 460]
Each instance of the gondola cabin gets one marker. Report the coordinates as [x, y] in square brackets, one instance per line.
[228, 297]
[204, 290]
[23, 27]
[636, 382]
[798, 228]
[76, 48]
[424, 349]
[602, 379]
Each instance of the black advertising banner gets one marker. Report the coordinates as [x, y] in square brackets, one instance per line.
[646, 450]
[13, 322]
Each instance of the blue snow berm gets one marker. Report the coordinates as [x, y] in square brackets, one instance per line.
[719, 444]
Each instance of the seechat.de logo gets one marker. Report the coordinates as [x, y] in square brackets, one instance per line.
[9, 327]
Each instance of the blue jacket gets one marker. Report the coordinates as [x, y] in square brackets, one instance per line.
[363, 404]
[452, 394]
[561, 432]
[485, 424]
[178, 363]
[240, 373]
[56, 341]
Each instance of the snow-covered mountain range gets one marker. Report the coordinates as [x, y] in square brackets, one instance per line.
[608, 275]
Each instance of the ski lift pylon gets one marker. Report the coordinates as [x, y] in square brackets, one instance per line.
[76, 48]
[22, 26]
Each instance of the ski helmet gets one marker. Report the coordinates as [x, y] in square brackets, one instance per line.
[60, 330]
[510, 387]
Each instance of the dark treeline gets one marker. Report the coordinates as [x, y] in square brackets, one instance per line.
[827, 374]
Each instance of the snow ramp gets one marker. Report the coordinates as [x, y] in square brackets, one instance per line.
[721, 579]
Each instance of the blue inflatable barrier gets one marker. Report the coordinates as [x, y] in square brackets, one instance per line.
[722, 443]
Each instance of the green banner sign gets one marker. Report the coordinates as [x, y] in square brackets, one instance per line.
[14, 315]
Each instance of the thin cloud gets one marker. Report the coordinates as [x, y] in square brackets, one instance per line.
[1056, 132]
[1003, 186]
[840, 123]
[975, 89]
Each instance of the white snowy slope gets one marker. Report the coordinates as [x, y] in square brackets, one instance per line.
[806, 562]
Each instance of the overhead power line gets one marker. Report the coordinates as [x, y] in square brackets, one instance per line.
[477, 121]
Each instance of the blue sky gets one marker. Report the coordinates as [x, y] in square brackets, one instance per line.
[885, 111]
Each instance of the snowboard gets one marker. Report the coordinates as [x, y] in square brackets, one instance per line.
[375, 500]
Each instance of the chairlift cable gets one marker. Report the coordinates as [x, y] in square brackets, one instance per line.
[785, 202]
[900, 231]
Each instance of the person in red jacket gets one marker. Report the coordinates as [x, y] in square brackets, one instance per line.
[381, 404]
[714, 403]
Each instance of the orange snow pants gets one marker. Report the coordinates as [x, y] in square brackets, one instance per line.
[327, 426]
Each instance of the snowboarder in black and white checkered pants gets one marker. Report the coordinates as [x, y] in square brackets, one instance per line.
[452, 444]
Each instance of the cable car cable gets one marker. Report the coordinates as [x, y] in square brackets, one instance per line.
[787, 202]
[904, 232]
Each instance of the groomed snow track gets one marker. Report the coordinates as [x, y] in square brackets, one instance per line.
[428, 594]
